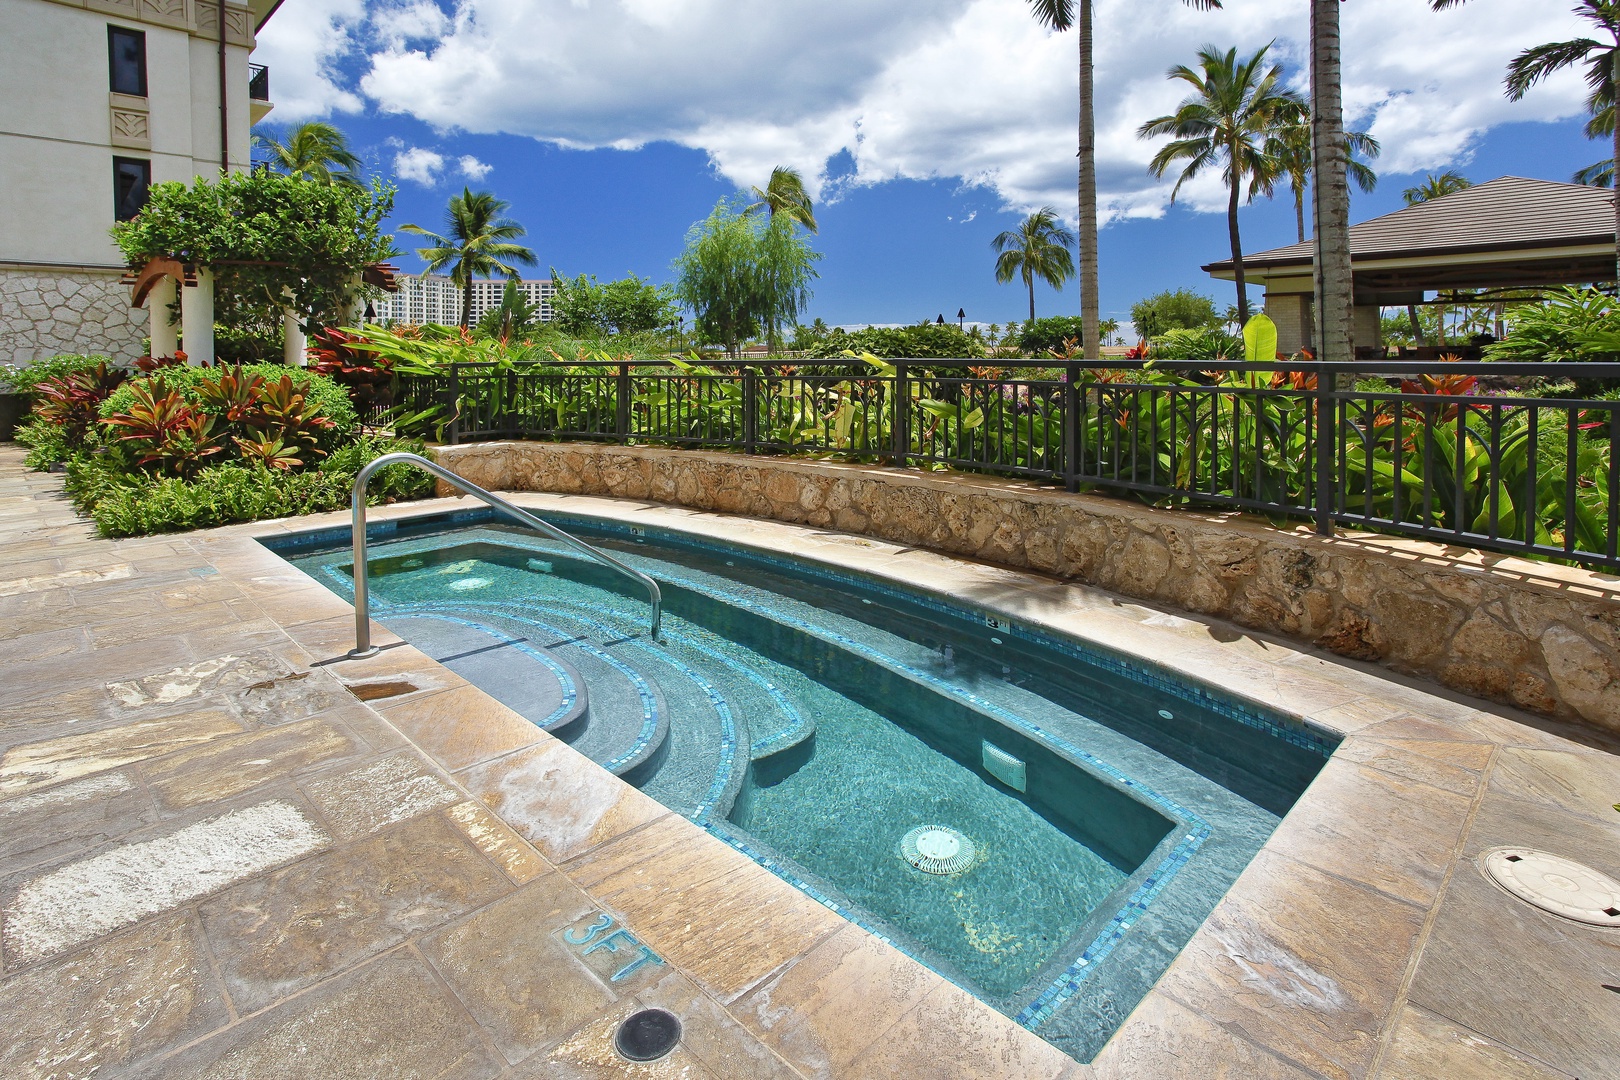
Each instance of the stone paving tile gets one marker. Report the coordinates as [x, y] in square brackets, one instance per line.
[1455, 767]
[952, 1035]
[1366, 825]
[46, 678]
[829, 1006]
[49, 644]
[1582, 783]
[713, 1035]
[227, 767]
[387, 1019]
[363, 800]
[461, 727]
[50, 910]
[1164, 1040]
[119, 1002]
[71, 818]
[588, 1054]
[1495, 965]
[287, 930]
[1305, 964]
[514, 975]
[559, 801]
[1427, 1047]
[29, 766]
[498, 842]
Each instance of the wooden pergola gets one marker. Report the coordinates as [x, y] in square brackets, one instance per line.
[1506, 235]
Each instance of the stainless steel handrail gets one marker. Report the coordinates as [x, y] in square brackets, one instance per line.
[362, 597]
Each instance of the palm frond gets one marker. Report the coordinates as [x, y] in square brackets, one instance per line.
[1056, 14]
[1540, 61]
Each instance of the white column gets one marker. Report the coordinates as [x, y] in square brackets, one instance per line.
[158, 300]
[197, 319]
[293, 345]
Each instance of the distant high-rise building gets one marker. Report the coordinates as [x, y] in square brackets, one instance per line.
[434, 298]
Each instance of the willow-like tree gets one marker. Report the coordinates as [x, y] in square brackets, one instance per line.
[1061, 15]
[741, 275]
[314, 150]
[784, 194]
[477, 242]
[1038, 248]
[1291, 146]
[1230, 119]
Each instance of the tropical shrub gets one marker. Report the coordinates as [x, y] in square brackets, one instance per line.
[1208, 344]
[311, 408]
[1052, 334]
[124, 503]
[924, 341]
[585, 307]
[26, 379]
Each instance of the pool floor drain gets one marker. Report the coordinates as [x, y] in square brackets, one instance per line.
[1556, 885]
[647, 1035]
[938, 849]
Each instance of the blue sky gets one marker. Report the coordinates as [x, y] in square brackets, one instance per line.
[955, 120]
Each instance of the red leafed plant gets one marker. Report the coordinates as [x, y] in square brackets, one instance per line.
[231, 395]
[367, 375]
[271, 452]
[165, 430]
[73, 400]
[285, 411]
[149, 364]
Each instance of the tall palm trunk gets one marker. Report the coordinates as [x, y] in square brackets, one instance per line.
[1090, 314]
[1615, 183]
[1237, 244]
[1299, 212]
[466, 302]
[1029, 279]
[1335, 292]
[1417, 326]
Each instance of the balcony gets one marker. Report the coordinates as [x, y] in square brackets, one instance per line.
[259, 91]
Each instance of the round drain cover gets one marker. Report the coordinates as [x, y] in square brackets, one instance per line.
[937, 849]
[647, 1035]
[1555, 885]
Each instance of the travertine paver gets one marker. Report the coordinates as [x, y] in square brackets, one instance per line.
[403, 879]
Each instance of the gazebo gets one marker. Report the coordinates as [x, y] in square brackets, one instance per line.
[1508, 234]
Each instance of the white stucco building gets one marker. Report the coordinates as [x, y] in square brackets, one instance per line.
[434, 298]
[99, 99]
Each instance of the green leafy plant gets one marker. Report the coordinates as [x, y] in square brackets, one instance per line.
[164, 430]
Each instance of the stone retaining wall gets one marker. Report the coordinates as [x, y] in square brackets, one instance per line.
[45, 311]
[1545, 638]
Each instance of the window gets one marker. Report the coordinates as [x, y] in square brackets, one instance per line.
[131, 178]
[126, 55]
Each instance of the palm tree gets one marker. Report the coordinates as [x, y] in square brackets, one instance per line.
[478, 243]
[1060, 15]
[1602, 62]
[1231, 119]
[785, 194]
[1330, 192]
[1291, 147]
[1039, 248]
[311, 150]
[1437, 186]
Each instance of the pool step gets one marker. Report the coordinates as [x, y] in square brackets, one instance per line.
[528, 679]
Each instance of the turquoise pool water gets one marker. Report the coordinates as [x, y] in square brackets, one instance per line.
[812, 718]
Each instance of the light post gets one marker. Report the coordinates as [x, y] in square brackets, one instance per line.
[961, 318]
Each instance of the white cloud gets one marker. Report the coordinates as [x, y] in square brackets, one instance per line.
[301, 46]
[472, 168]
[972, 90]
[419, 165]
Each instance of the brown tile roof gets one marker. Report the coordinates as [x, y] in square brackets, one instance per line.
[1509, 213]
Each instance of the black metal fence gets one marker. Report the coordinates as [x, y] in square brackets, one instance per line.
[1446, 451]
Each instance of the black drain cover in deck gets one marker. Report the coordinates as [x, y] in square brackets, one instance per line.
[647, 1035]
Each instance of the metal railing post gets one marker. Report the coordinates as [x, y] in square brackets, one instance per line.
[362, 593]
[1071, 427]
[750, 406]
[902, 417]
[621, 405]
[454, 428]
[1327, 455]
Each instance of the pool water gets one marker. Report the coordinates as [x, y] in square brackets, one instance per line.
[812, 718]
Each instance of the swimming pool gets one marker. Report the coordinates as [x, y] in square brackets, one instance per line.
[1042, 823]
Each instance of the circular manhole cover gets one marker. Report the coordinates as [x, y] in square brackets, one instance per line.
[1554, 884]
[647, 1035]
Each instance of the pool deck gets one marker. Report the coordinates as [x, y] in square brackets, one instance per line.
[228, 851]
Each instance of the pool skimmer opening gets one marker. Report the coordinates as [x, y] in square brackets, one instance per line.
[938, 849]
[647, 1035]
[1555, 885]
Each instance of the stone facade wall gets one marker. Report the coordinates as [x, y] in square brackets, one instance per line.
[1545, 638]
[45, 311]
